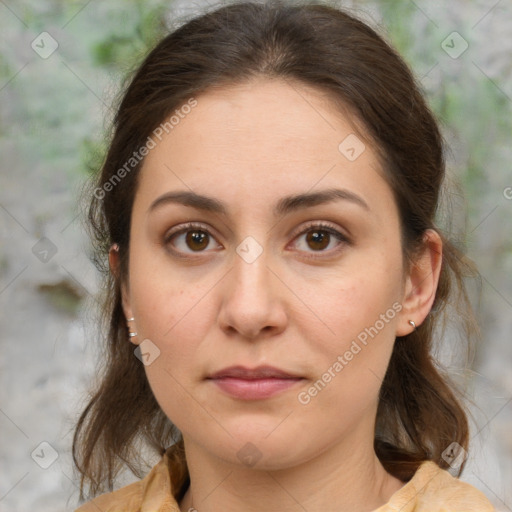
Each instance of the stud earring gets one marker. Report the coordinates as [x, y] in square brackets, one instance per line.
[131, 334]
[413, 324]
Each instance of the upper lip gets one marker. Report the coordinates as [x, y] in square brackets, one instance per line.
[260, 372]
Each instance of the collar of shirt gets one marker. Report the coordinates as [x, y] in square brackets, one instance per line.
[431, 489]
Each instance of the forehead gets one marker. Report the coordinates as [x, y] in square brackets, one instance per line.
[267, 119]
[265, 137]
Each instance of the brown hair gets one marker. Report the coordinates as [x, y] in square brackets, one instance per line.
[419, 413]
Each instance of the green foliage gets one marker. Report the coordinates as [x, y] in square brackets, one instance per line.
[470, 107]
[93, 152]
[397, 15]
[120, 51]
[130, 41]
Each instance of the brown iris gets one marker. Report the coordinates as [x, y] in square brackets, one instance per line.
[197, 240]
[319, 239]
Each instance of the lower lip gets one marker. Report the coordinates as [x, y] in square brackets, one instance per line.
[256, 389]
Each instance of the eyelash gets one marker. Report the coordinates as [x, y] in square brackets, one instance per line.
[319, 226]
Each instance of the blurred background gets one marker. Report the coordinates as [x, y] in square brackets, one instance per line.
[61, 66]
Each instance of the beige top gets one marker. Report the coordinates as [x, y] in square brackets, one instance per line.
[431, 489]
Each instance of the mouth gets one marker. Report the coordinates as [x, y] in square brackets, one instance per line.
[254, 384]
[261, 372]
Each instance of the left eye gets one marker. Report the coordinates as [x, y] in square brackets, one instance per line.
[319, 237]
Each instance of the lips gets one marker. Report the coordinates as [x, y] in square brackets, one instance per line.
[258, 383]
[261, 372]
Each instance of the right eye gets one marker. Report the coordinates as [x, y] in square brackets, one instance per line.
[196, 239]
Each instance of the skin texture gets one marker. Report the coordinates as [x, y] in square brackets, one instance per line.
[248, 146]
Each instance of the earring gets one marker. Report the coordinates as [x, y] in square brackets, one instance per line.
[131, 334]
[413, 324]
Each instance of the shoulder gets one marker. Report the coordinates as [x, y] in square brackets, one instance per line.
[128, 499]
[440, 487]
[154, 487]
[433, 489]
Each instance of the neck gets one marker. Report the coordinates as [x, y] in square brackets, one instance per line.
[344, 477]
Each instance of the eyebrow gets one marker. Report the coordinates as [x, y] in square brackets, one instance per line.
[284, 206]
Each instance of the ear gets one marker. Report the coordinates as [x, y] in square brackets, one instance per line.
[113, 260]
[421, 283]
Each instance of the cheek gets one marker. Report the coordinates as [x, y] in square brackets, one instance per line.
[168, 379]
[168, 304]
[175, 320]
[361, 312]
[175, 316]
[352, 304]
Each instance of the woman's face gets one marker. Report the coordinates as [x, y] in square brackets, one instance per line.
[259, 283]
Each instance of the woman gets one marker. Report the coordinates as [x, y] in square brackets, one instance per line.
[276, 275]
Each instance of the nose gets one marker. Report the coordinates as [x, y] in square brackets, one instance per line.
[252, 300]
